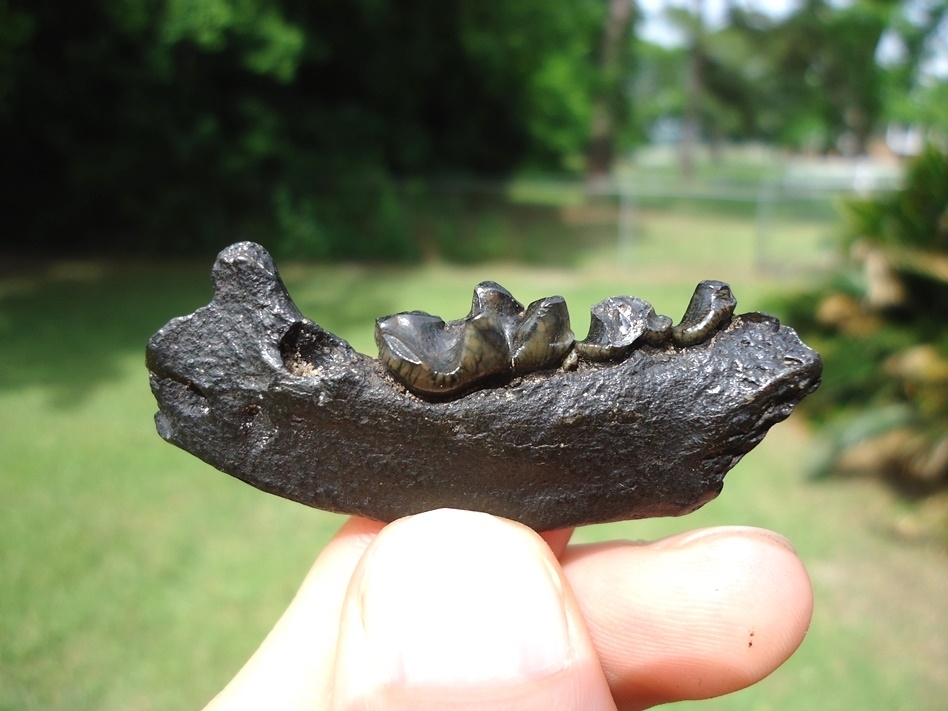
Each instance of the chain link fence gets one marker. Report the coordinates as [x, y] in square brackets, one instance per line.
[785, 219]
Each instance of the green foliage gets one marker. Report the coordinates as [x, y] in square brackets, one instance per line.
[658, 87]
[823, 81]
[914, 217]
[912, 95]
[924, 105]
[882, 332]
[181, 125]
[815, 79]
[336, 225]
[269, 44]
[541, 57]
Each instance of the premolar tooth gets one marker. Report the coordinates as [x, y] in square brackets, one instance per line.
[618, 324]
[710, 309]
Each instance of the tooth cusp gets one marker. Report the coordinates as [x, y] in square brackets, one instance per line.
[620, 323]
[497, 337]
[501, 338]
[710, 309]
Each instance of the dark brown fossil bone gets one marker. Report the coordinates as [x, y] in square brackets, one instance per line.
[252, 387]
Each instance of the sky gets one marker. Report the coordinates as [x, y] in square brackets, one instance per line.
[656, 28]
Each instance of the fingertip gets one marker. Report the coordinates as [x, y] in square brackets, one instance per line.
[458, 609]
[694, 616]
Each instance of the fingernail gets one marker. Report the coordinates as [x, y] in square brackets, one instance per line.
[704, 534]
[475, 605]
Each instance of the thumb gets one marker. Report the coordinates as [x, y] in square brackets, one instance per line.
[462, 610]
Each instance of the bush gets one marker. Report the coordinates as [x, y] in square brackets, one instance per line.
[881, 325]
[183, 125]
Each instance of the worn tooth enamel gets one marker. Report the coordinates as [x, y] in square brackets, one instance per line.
[491, 297]
[710, 309]
[433, 356]
[618, 324]
[501, 338]
[543, 335]
[497, 336]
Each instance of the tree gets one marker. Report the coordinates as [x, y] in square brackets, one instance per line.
[831, 88]
[176, 125]
[610, 104]
[880, 326]
[914, 95]
[811, 80]
[691, 123]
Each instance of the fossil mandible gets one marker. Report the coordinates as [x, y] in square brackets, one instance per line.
[253, 387]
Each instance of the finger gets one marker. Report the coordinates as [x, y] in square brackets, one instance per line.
[293, 667]
[462, 610]
[693, 616]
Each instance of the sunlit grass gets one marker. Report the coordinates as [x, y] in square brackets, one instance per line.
[134, 577]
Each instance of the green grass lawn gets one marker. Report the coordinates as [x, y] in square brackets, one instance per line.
[134, 577]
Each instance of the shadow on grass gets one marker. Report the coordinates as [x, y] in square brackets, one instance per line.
[69, 328]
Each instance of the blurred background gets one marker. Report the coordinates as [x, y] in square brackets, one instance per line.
[390, 156]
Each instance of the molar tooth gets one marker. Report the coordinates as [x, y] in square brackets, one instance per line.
[543, 335]
[432, 356]
[620, 323]
[710, 309]
[498, 336]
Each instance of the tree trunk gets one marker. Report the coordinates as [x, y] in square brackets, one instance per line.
[600, 152]
[693, 86]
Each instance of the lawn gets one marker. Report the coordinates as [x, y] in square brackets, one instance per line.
[136, 578]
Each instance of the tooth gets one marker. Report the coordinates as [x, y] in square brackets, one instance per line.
[543, 335]
[710, 309]
[498, 337]
[618, 324]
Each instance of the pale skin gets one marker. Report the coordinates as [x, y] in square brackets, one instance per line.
[460, 610]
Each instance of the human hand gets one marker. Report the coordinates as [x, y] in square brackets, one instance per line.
[461, 610]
